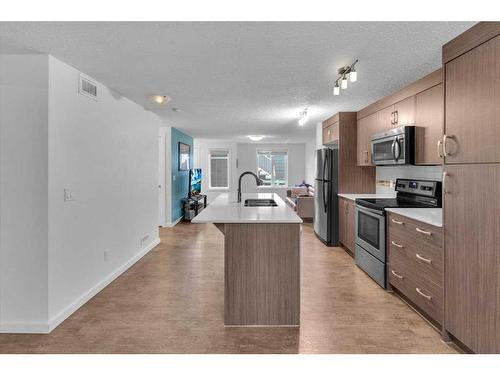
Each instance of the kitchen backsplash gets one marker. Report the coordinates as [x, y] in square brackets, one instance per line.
[386, 176]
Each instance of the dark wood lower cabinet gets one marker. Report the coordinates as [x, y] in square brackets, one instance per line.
[347, 224]
[415, 263]
[261, 274]
[472, 255]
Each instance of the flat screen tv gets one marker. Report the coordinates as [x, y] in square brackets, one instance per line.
[194, 181]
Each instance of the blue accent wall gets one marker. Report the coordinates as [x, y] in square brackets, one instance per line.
[180, 179]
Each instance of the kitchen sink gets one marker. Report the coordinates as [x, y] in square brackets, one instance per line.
[260, 203]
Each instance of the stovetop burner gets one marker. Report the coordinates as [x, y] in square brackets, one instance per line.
[410, 194]
[383, 203]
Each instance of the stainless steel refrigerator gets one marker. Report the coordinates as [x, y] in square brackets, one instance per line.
[326, 202]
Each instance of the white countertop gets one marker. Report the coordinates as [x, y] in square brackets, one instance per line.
[226, 209]
[432, 216]
[353, 197]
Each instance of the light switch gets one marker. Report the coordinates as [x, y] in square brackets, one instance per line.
[68, 195]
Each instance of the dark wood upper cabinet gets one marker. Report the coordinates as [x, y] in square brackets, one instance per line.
[429, 122]
[404, 112]
[472, 127]
[352, 178]
[420, 103]
[366, 127]
[385, 121]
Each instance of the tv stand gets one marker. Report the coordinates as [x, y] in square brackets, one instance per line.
[193, 205]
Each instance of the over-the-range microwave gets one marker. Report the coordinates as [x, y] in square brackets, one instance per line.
[394, 147]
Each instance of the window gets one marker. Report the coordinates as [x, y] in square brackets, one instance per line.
[219, 169]
[272, 167]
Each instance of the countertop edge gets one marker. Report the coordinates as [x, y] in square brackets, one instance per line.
[354, 196]
[407, 212]
[248, 222]
[286, 214]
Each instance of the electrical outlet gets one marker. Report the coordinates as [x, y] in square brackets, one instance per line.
[68, 195]
[106, 255]
[144, 239]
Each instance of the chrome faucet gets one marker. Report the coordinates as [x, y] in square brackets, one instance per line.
[257, 179]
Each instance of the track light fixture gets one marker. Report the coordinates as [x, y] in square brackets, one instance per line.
[345, 73]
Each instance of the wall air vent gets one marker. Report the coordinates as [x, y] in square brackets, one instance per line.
[88, 87]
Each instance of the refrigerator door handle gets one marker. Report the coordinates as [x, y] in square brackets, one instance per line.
[324, 198]
[324, 166]
[324, 181]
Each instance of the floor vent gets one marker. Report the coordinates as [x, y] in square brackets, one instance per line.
[88, 87]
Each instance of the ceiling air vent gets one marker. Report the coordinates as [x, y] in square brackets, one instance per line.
[88, 87]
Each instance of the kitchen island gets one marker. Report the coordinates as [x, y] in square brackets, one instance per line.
[261, 259]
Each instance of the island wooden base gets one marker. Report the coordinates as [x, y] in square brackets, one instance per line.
[261, 274]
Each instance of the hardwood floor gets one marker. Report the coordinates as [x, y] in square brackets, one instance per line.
[172, 301]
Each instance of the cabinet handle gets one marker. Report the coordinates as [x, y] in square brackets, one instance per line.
[397, 245]
[445, 175]
[423, 231]
[392, 118]
[395, 274]
[397, 222]
[419, 291]
[445, 138]
[423, 259]
[366, 156]
[396, 114]
[439, 148]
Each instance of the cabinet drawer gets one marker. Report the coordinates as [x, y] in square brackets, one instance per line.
[425, 233]
[426, 260]
[426, 295]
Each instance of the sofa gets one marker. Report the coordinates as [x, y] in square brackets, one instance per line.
[301, 200]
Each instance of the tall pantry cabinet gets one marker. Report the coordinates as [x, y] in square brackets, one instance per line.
[471, 187]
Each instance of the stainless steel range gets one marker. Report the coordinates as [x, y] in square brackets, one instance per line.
[370, 222]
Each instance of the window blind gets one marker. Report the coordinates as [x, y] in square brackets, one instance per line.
[219, 169]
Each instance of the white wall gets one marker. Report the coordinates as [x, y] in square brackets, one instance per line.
[310, 161]
[55, 255]
[23, 192]
[243, 157]
[165, 165]
[106, 152]
[247, 161]
[319, 136]
[386, 176]
[200, 160]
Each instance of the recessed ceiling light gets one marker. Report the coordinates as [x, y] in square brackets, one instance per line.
[160, 99]
[256, 138]
[303, 117]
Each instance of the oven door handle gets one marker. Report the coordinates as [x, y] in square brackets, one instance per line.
[370, 211]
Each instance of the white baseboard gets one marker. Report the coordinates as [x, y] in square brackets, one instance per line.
[84, 298]
[29, 327]
[173, 223]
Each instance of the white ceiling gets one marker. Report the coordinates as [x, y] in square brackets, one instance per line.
[231, 79]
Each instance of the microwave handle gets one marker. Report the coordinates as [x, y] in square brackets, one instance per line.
[393, 149]
[395, 144]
